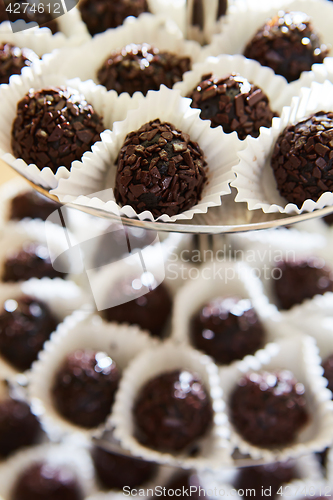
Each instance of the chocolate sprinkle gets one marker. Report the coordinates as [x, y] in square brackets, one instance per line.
[139, 68]
[288, 44]
[13, 59]
[53, 127]
[160, 169]
[234, 103]
[268, 409]
[302, 159]
[100, 15]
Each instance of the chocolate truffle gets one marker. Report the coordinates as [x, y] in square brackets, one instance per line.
[31, 261]
[32, 204]
[13, 59]
[45, 481]
[302, 159]
[151, 311]
[139, 68]
[288, 44]
[198, 12]
[29, 13]
[328, 219]
[172, 411]
[268, 409]
[234, 103]
[115, 471]
[25, 324]
[227, 329]
[84, 387]
[100, 15]
[53, 127]
[183, 482]
[18, 426]
[299, 280]
[328, 372]
[160, 169]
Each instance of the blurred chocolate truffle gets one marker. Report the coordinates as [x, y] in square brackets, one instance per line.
[84, 387]
[172, 411]
[25, 324]
[183, 481]
[115, 471]
[300, 280]
[150, 312]
[328, 219]
[45, 481]
[303, 157]
[139, 68]
[30, 261]
[53, 127]
[160, 169]
[268, 409]
[29, 13]
[328, 371]
[227, 329]
[13, 59]
[288, 44]
[33, 205]
[18, 426]
[234, 103]
[100, 15]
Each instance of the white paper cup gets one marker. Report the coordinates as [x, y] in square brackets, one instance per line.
[299, 355]
[255, 180]
[98, 171]
[214, 447]
[79, 331]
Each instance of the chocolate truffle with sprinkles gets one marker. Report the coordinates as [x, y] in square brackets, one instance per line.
[268, 409]
[288, 44]
[227, 329]
[54, 127]
[100, 15]
[172, 411]
[160, 169]
[84, 387]
[13, 59]
[139, 68]
[328, 371]
[234, 103]
[302, 159]
[300, 280]
[25, 324]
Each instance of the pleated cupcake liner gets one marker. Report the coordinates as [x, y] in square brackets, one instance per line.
[97, 172]
[214, 447]
[298, 354]
[81, 330]
[255, 180]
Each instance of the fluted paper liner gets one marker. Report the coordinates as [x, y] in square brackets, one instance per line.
[74, 458]
[214, 446]
[79, 331]
[299, 355]
[255, 180]
[97, 171]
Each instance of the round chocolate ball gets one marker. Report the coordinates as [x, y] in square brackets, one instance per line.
[45, 481]
[268, 409]
[115, 471]
[100, 15]
[13, 59]
[54, 127]
[29, 12]
[234, 103]
[25, 324]
[227, 329]
[288, 44]
[300, 280]
[150, 312]
[33, 205]
[31, 261]
[328, 372]
[302, 159]
[160, 169]
[18, 426]
[84, 387]
[172, 411]
[139, 68]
